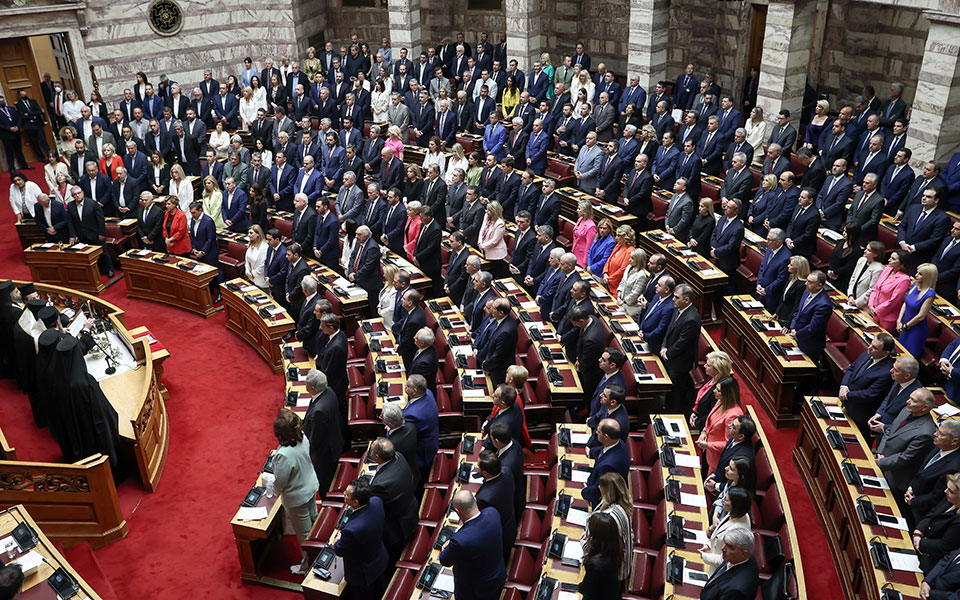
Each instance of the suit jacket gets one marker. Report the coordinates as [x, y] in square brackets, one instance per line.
[948, 267]
[903, 449]
[944, 578]
[104, 192]
[866, 213]
[293, 290]
[365, 265]
[616, 459]
[422, 414]
[326, 240]
[681, 341]
[930, 481]
[941, 534]
[361, 546]
[773, 276]
[588, 164]
[638, 192]
[655, 320]
[203, 237]
[456, 276]
[332, 359]
[275, 270]
[151, 227]
[736, 583]
[726, 240]
[896, 400]
[476, 553]
[916, 191]
[501, 352]
[608, 180]
[152, 107]
[832, 200]
[711, 149]
[810, 323]
[88, 226]
[731, 149]
[227, 107]
[781, 206]
[680, 213]
[925, 237]
[321, 425]
[802, 230]
[498, 492]
[471, 220]
[785, 136]
[237, 211]
[867, 382]
[737, 185]
[58, 220]
[395, 486]
[425, 363]
[427, 249]
[833, 148]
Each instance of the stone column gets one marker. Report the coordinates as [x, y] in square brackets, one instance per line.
[649, 27]
[404, 21]
[935, 120]
[524, 32]
[786, 55]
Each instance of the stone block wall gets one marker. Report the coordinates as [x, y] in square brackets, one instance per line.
[441, 18]
[310, 19]
[215, 35]
[370, 24]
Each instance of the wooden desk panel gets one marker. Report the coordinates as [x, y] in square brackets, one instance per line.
[72, 269]
[30, 233]
[166, 282]
[264, 334]
[603, 208]
[460, 330]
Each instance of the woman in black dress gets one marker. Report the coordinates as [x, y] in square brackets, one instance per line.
[601, 559]
[844, 257]
[258, 208]
[702, 228]
[412, 186]
[798, 268]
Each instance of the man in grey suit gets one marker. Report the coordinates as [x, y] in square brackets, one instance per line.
[456, 198]
[867, 207]
[680, 211]
[604, 115]
[738, 181]
[784, 133]
[349, 198]
[282, 123]
[901, 451]
[99, 138]
[587, 166]
[398, 115]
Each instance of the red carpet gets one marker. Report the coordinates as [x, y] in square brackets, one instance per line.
[222, 402]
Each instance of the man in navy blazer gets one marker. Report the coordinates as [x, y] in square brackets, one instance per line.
[211, 167]
[326, 237]
[276, 265]
[309, 181]
[949, 366]
[360, 542]
[364, 268]
[726, 239]
[395, 217]
[781, 207]
[537, 146]
[930, 176]
[658, 314]
[633, 94]
[611, 366]
[234, 207]
[804, 224]
[509, 412]
[203, 238]
[866, 381]
[738, 576]
[839, 143]
[711, 146]
[104, 189]
[926, 490]
[226, 108]
[547, 210]
[152, 104]
[943, 580]
[55, 229]
[476, 550]
[833, 195]
[612, 458]
[947, 258]
[773, 274]
[897, 180]
[809, 325]
[282, 177]
[501, 348]
[611, 407]
[922, 229]
[421, 412]
[689, 167]
[497, 491]
[664, 167]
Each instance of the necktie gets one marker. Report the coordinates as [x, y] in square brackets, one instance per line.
[709, 137]
[806, 301]
[830, 185]
[948, 248]
[370, 211]
[725, 223]
[923, 215]
[934, 459]
[799, 212]
[893, 147]
[390, 212]
[863, 200]
[296, 219]
[896, 171]
[834, 143]
[356, 263]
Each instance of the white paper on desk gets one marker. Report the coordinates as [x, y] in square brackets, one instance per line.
[890, 521]
[248, 289]
[356, 292]
[794, 351]
[395, 368]
[680, 429]
[127, 222]
[905, 562]
[79, 246]
[692, 500]
[474, 393]
[836, 412]
[462, 350]
[510, 286]
[752, 304]
[444, 582]
[303, 401]
[697, 578]
[564, 595]
[341, 282]
[875, 482]
[948, 410]
[630, 327]
[579, 476]
[577, 517]
[710, 272]
[47, 245]
[699, 536]
[391, 350]
[252, 513]
[572, 550]
[530, 305]
[32, 560]
[275, 310]
[686, 460]
[667, 236]
[949, 310]
[534, 325]
[579, 438]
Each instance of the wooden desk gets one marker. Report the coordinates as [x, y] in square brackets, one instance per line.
[836, 503]
[528, 316]
[303, 363]
[128, 227]
[690, 267]
[773, 379]
[30, 233]
[264, 334]
[172, 280]
[63, 266]
[255, 538]
[394, 379]
[35, 585]
[477, 401]
[570, 197]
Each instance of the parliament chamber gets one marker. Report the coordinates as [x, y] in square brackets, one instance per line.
[538, 337]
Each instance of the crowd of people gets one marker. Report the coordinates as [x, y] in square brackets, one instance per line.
[329, 142]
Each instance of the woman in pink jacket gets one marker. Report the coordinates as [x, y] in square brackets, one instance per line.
[713, 437]
[492, 239]
[888, 295]
[584, 232]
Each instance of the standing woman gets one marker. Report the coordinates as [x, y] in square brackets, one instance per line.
[912, 323]
[739, 472]
[475, 168]
[220, 140]
[412, 186]
[175, 234]
[648, 143]
[799, 268]
[756, 129]
[601, 247]
[511, 97]
[386, 51]
[491, 239]
[434, 155]
[387, 299]
[98, 107]
[67, 144]
[212, 200]
[258, 208]
[53, 168]
[633, 283]
[255, 257]
[758, 208]
[844, 257]
[602, 559]
[412, 229]
[72, 107]
[620, 257]
[248, 109]
[718, 366]
[349, 243]
[616, 501]
[713, 437]
[702, 228]
[458, 160]
[158, 174]
[109, 162]
[737, 505]
[379, 101]
[140, 86]
[259, 93]
[548, 70]
[819, 122]
[865, 274]
[584, 231]
[181, 188]
[887, 296]
[394, 142]
[295, 479]
[62, 190]
[266, 157]
[311, 64]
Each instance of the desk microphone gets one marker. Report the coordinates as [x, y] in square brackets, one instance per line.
[105, 326]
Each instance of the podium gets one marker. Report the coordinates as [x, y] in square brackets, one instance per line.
[169, 279]
[72, 267]
[242, 303]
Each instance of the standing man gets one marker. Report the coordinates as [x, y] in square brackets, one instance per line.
[475, 551]
[321, 425]
[32, 117]
[679, 351]
[360, 542]
[10, 123]
[364, 267]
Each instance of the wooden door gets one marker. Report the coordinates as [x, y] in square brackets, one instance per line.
[18, 71]
[756, 36]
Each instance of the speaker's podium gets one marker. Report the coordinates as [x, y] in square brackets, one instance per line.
[72, 267]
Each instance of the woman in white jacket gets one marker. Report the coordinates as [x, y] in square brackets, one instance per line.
[865, 274]
[387, 300]
[255, 258]
[492, 241]
[737, 504]
[633, 283]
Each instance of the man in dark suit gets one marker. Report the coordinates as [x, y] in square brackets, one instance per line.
[402, 434]
[425, 361]
[304, 223]
[738, 181]
[476, 550]
[896, 182]
[98, 187]
[186, 150]
[332, 360]
[947, 258]
[307, 322]
[296, 271]
[867, 207]
[497, 491]
[321, 425]
[280, 183]
[80, 158]
[547, 211]
[203, 239]
[926, 488]
[411, 320]
[679, 351]
[276, 265]
[507, 412]
[739, 442]
[657, 267]
[51, 217]
[739, 144]
[364, 267]
[150, 224]
[867, 381]
[393, 222]
[738, 576]
[539, 257]
[426, 252]
[611, 374]
[613, 458]
[840, 143]
[455, 278]
[502, 344]
[471, 218]
[524, 241]
[85, 223]
[692, 128]
[944, 578]
[657, 313]
[871, 160]
[326, 238]
[726, 239]
[904, 376]
[638, 191]
[894, 109]
[589, 347]
[833, 195]
[773, 274]
[360, 541]
[611, 171]
[784, 134]
[922, 229]
[813, 171]
[234, 205]
[803, 226]
[394, 484]
[421, 412]
[930, 176]
[391, 169]
[809, 325]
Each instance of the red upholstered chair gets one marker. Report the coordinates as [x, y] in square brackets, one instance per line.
[540, 490]
[771, 517]
[640, 575]
[764, 472]
[532, 532]
[658, 528]
[638, 488]
[401, 585]
[358, 349]
[416, 552]
[233, 260]
[659, 213]
[523, 571]
[641, 529]
[442, 471]
[565, 237]
[750, 266]
[116, 241]
[345, 473]
[321, 530]
[285, 228]
[433, 506]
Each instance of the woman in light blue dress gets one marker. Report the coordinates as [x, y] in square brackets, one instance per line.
[912, 324]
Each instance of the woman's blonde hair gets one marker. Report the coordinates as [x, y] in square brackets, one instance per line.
[457, 150]
[649, 129]
[824, 105]
[605, 222]
[497, 210]
[110, 148]
[639, 256]
[544, 59]
[721, 363]
[587, 208]
[178, 171]
[518, 375]
[247, 90]
[389, 271]
[417, 170]
[802, 265]
[928, 276]
[954, 478]
[260, 236]
[216, 186]
[615, 491]
[759, 118]
[629, 237]
[414, 206]
[770, 179]
[706, 203]
[394, 130]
